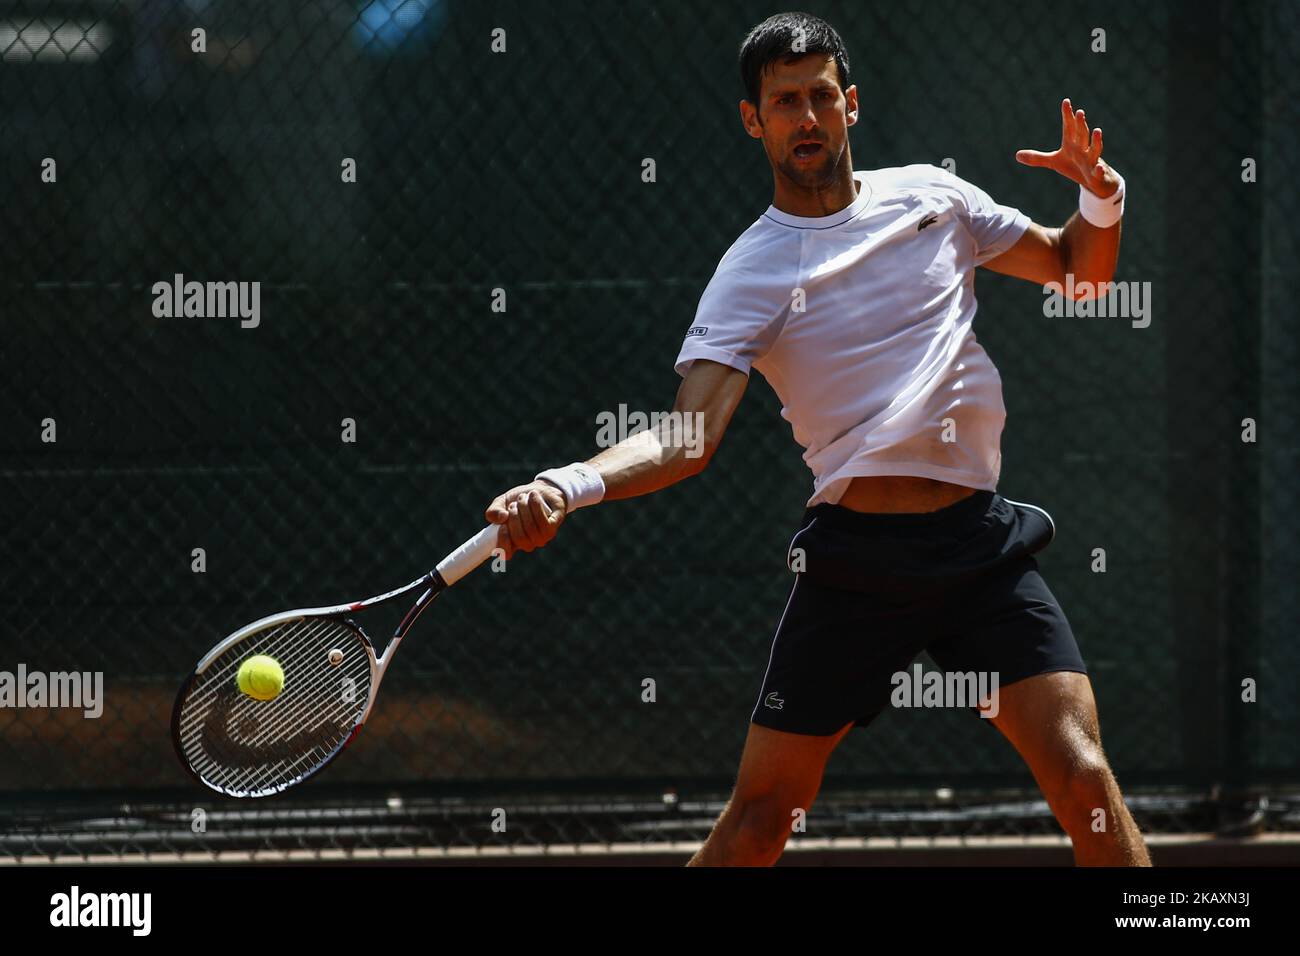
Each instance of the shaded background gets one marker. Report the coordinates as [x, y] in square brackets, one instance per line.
[522, 171]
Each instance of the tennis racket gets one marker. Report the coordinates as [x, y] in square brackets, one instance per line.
[245, 747]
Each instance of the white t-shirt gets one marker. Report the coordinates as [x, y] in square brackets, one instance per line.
[877, 367]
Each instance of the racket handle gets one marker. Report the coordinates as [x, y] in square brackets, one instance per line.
[469, 555]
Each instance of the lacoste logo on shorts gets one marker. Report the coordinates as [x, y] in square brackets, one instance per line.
[776, 703]
[697, 330]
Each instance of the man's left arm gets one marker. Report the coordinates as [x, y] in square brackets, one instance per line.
[1086, 249]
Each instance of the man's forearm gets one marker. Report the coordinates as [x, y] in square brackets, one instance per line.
[676, 445]
[1089, 253]
[648, 461]
[680, 443]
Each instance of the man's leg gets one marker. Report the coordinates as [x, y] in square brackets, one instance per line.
[779, 773]
[1052, 721]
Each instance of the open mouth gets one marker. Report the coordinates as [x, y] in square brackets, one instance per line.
[807, 150]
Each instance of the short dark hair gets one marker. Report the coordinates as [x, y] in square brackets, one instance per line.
[774, 38]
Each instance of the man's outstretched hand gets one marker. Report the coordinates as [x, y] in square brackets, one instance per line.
[529, 516]
[1079, 157]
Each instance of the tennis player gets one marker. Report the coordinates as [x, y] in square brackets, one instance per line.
[854, 295]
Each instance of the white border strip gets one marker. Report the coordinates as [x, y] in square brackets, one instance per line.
[572, 851]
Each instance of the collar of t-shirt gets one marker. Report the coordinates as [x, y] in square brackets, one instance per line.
[852, 210]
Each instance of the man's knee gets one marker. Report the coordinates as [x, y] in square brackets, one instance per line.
[1086, 782]
[769, 818]
[780, 774]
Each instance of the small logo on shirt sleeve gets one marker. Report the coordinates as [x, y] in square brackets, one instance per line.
[929, 220]
[697, 330]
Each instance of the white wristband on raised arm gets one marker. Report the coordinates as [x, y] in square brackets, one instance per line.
[1102, 213]
[581, 484]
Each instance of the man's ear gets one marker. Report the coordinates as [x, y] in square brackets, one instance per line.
[749, 119]
[851, 106]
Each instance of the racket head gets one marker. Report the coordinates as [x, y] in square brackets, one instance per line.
[243, 747]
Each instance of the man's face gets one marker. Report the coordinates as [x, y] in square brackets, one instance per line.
[803, 118]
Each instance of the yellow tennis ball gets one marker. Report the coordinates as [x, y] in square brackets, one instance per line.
[261, 677]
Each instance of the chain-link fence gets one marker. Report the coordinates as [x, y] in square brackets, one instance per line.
[167, 479]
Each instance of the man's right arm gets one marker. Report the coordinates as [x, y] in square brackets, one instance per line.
[656, 458]
[531, 514]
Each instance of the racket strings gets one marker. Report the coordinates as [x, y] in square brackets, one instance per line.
[231, 741]
[278, 724]
[310, 723]
[259, 735]
[219, 679]
[249, 747]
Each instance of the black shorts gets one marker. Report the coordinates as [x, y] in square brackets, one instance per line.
[875, 590]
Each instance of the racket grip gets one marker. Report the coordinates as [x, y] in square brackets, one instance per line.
[469, 555]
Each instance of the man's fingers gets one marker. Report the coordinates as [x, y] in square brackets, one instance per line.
[553, 498]
[1067, 122]
[541, 510]
[1080, 130]
[517, 536]
[1095, 153]
[498, 511]
[554, 516]
[528, 520]
[1033, 157]
[541, 518]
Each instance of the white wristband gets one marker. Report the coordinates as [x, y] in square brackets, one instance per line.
[1102, 213]
[581, 484]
